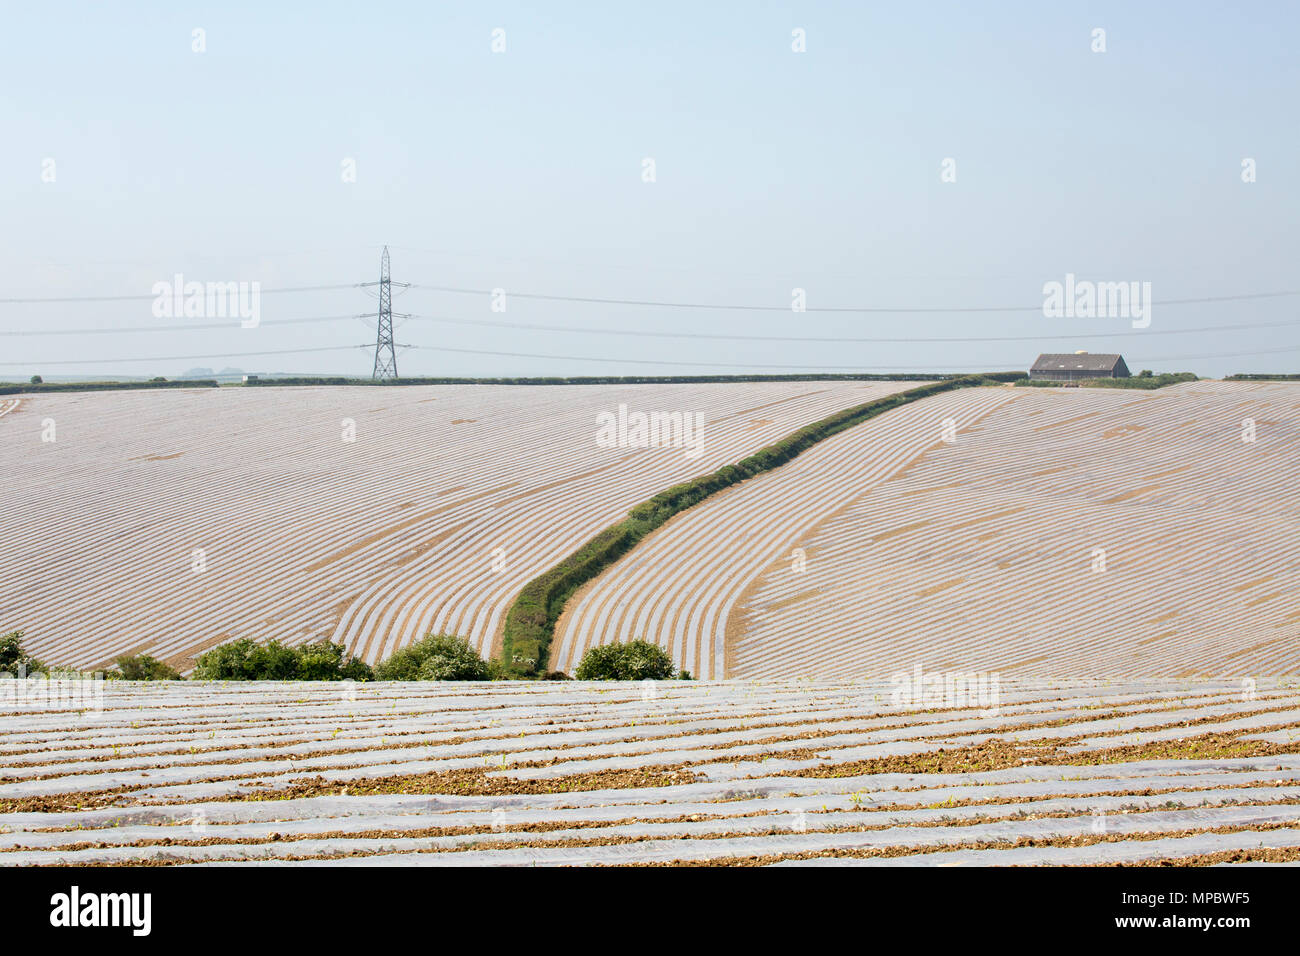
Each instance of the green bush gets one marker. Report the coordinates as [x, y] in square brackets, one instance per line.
[14, 660]
[635, 660]
[37, 380]
[324, 661]
[1143, 381]
[144, 667]
[247, 660]
[437, 657]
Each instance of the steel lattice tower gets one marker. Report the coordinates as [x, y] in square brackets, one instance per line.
[385, 354]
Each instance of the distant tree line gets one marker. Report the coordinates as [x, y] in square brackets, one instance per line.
[38, 385]
[1143, 380]
[626, 379]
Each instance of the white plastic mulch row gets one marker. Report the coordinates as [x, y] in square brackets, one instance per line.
[154, 766]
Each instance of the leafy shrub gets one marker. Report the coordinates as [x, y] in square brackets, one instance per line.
[437, 657]
[37, 380]
[14, 660]
[247, 660]
[1143, 381]
[635, 660]
[144, 667]
[324, 661]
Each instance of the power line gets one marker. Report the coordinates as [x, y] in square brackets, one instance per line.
[234, 324]
[750, 365]
[139, 298]
[385, 352]
[728, 337]
[785, 308]
[609, 359]
[733, 337]
[1215, 355]
[654, 303]
[631, 361]
[186, 358]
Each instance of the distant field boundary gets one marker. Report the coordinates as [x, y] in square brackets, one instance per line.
[605, 379]
[530, 622]
[1150, 382]
[1147, 382]
[15, 388]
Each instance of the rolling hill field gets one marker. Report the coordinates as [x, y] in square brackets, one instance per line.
[994, 626]
[1032, 532]
[167, 522]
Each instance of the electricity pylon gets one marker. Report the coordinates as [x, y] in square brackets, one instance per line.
[385, 354]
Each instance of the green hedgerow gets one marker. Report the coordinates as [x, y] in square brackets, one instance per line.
[324, 661]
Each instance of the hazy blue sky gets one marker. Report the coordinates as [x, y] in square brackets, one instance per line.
[523, 170]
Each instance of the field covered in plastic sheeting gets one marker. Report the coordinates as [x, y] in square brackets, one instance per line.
[1045, 532]
[166, 523]
[570, 773]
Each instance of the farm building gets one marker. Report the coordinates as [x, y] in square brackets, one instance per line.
[1068, 368]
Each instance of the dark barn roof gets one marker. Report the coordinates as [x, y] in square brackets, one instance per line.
[1080, 362]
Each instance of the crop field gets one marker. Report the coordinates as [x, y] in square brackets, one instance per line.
[553, 773]
[995, 626]
[1045, 533]
[168, 522]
